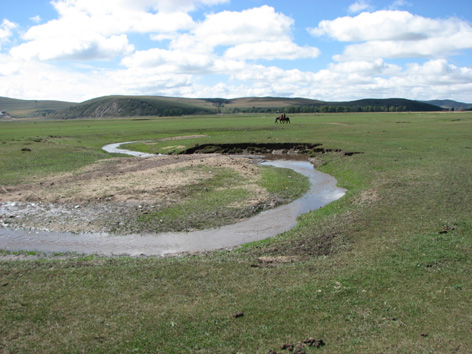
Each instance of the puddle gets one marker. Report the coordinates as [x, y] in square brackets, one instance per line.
[267, 224]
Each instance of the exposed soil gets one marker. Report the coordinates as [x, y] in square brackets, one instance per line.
[264, 148]
[266, 224]
[111, 194]
[80, 211]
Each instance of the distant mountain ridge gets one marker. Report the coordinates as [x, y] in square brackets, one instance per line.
[32, 108]
[448, 104]
[131, 106]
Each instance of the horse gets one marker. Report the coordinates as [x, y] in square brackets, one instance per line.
[282, 120]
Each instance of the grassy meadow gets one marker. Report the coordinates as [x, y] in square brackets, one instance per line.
[385, 269]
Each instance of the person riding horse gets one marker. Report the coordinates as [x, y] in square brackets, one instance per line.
[283, 119]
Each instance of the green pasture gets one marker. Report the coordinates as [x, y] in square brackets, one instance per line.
[385, 269]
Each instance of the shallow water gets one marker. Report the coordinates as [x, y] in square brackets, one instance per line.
[115, 149]
[267, 224]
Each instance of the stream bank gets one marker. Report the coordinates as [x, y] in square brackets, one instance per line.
[269, 223]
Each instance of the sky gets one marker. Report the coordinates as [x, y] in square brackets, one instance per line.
[338, 50]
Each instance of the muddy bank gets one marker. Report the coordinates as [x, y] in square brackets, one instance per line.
[267, 224]
[115, 196]
[264, 225]
[264, 149]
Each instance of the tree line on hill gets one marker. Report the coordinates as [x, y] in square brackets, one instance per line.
[129, 106]
[320, 109]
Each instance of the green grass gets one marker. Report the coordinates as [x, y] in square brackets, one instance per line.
[221, 199]
[387, 268]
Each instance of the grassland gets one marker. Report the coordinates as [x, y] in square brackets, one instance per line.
[31, 108]
[135, 106]
[385, 269]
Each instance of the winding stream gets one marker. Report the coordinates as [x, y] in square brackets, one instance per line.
[267, 224]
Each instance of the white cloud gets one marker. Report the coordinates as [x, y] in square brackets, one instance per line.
[284, 49]
[359, 6]
[439, 73]
[183, 5]
[383, 25]
[218, 56]
[75, 46]
[102, 7]
[340, 81]
[162, 79]
[176, 60]
[354, 80]
[90, 29]
[393, 34]
[433, 79]
[258, 33]
[6, 31]
[29, 79]
[368, 68]
[36, 19]
[229, 28]
[399, 3]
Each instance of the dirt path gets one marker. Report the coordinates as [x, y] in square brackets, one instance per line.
[264, 225]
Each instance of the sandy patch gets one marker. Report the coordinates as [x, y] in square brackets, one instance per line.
[116, 191]
[129, 180]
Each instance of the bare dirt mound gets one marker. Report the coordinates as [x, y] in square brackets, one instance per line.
[110, 194]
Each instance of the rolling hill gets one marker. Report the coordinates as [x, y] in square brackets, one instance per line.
[448, 104]
[31, 108]
[134, 106]
[130, 106]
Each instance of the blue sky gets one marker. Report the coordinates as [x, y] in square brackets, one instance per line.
[75, 50]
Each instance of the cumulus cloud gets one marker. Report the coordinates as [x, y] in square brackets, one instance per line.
[398, 3]
[6, 31]
[182, 5]
[433, 79]
[101, 7]
[31, 79]
[359, 6]
[258, 33]
[367, 68]
[192, 56]
[354, 80]
[174, 60]
[284, 49]
[439, 73]
[139, 81]
[229, 28]
[384, 25]
[339, 81]
[394, 34]
[36, 19]
[90, 30]
[77, 46]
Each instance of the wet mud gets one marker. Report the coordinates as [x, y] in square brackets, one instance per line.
[264, 149]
